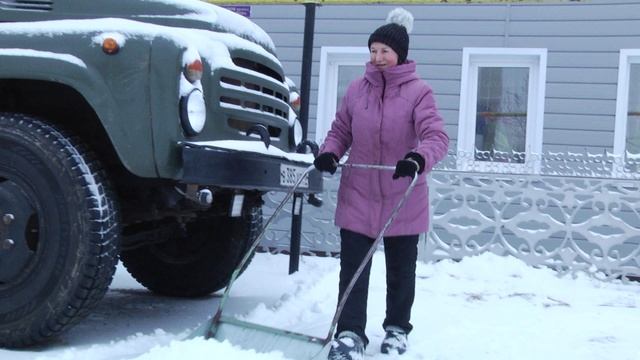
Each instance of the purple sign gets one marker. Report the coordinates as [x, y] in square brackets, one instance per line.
[244, 10]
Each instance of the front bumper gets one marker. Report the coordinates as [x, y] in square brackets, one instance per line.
[215, 164]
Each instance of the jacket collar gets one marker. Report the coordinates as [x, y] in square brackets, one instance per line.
[393, 76]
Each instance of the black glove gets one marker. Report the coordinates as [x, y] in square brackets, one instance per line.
[412, 163]
[327, 162]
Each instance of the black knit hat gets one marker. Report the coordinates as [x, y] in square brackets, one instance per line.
[395, 33]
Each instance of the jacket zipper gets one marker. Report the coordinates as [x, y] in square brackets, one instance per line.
[381, 192]
[384, 85]
[384, 89]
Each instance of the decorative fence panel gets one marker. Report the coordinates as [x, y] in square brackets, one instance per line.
[581, 213]
[567, 223]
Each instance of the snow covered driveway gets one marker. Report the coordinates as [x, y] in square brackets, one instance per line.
[485, 307]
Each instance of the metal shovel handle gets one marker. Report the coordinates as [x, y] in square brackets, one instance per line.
[367, 166]
[256, 242]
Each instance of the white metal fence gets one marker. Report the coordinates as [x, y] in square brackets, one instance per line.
[581, 212]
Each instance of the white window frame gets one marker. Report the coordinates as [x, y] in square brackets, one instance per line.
[627, 57]
[331, 58]
[472, 58]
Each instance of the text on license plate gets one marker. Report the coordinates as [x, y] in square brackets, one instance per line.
[290, 174]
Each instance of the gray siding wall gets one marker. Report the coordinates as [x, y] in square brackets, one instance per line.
[583, 41]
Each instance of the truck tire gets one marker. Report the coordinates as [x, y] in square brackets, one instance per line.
[59, 231]
[199, 259]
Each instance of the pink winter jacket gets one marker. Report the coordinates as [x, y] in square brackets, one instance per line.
[383, 116]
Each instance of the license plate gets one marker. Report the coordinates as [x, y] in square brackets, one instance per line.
[290, 174]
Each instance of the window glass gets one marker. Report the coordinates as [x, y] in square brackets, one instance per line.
[633, 115]
[501, 114]
[339, 65]
[346, 74]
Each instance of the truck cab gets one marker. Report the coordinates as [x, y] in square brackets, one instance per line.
[144, 131]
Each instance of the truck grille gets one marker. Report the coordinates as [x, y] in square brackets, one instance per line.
[265, 98]
[35, 5]
[252, 65]
[243, 126]
[252, 93]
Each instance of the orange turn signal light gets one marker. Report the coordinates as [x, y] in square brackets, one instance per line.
[110, 46]
[296, 103]
[193, 71]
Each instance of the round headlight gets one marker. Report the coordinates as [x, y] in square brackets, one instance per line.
[193, 112]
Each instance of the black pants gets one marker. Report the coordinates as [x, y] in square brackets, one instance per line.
[401, 253]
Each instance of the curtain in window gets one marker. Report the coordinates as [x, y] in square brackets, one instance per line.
[633, 112]
[501, 115]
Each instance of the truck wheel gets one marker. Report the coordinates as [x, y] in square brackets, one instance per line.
[200, 258]
[58, 232]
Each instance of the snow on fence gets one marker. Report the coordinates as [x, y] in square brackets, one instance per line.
[581, 212]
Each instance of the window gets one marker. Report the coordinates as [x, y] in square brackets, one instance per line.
[501, 109]
[627, 128]
[338, 67]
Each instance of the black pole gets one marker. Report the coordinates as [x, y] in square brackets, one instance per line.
[296, 233]
[307, 60]
[305, 89]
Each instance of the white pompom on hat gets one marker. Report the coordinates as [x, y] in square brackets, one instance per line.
[395, 33]
[401, 17]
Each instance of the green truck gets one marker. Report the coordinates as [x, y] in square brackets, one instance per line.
[144, 131]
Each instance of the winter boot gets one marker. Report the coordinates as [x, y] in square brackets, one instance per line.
[348, 346]
[395, 341]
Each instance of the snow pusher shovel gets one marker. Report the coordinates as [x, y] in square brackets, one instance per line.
[267, 339]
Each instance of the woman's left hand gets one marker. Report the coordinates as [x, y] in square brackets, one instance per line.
[405, 167]
[411, 164]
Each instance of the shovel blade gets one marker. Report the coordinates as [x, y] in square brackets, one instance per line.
[267, 339]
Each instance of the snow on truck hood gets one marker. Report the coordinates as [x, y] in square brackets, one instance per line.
[225, 19]
[213, 46]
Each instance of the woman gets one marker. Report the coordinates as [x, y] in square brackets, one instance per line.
[387, 117]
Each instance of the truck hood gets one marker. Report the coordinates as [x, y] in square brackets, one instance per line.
[193, 14]
[214, 47]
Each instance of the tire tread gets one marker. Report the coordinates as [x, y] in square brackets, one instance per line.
[97, 270]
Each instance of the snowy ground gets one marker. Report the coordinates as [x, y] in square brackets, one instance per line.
[485, 307]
